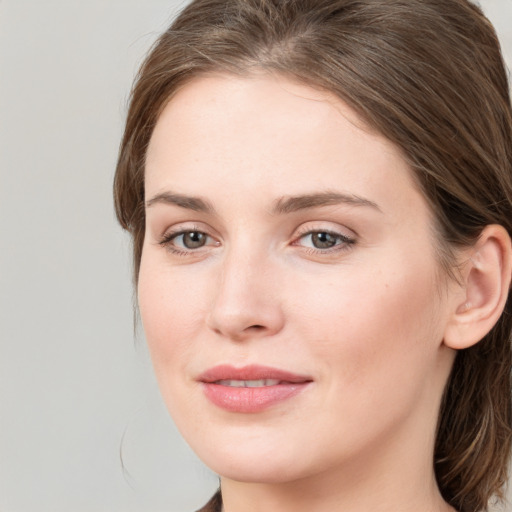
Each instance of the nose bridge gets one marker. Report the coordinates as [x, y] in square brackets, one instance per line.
[245, 302]
[247, 261]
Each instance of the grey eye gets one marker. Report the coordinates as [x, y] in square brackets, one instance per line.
[324, 240]
[191, 239]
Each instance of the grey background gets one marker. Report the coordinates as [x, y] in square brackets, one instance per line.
[76, 390]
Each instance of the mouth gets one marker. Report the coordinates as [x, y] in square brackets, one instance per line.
[261, 383]
[250, 389]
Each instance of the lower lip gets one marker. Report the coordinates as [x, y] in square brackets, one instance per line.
[250, 400]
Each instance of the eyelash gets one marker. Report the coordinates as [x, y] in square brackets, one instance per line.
[343, 242]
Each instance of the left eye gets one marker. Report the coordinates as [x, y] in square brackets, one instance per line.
[324, 239]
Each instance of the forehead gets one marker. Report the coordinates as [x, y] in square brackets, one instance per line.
[266, 133]
[284, 106]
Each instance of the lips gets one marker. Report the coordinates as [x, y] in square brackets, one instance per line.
[252, 388]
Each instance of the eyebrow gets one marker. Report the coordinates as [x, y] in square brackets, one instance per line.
[284, 205]
[196, 204]
[303, 202]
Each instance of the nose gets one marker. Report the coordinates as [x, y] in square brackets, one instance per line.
[246, 301]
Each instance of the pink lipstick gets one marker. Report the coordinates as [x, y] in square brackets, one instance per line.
[250, 389]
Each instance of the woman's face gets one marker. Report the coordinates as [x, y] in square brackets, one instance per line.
[289, 289]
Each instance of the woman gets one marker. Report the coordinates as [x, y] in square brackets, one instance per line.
[320, 198]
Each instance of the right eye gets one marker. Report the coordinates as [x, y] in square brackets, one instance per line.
[190, 239]
[186, 241]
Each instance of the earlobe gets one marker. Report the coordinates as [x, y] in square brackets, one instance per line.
[486, 284]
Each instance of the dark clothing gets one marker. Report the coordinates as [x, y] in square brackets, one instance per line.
[214, 505]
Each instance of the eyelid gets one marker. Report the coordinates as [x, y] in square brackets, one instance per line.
[184, 227]
[325, 227]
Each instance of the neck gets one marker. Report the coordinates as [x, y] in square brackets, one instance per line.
[351, 493]
[397, 475]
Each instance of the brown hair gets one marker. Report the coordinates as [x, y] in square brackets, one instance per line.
[427, 74]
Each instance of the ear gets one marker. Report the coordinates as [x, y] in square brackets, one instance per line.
[487, 275]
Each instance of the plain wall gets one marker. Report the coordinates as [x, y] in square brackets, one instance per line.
[76, 390]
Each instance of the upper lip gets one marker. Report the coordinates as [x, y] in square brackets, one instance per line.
[251, 372]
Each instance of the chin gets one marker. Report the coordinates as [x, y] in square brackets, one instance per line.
[277, 462]
[255, 462]
[255, 471]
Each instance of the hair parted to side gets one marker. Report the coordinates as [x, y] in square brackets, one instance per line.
[429, 76]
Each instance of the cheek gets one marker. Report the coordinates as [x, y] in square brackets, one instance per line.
[169, 309]
[377, 328]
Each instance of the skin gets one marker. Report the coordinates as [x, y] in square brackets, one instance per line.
[364, 319]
